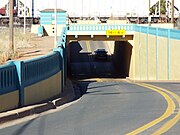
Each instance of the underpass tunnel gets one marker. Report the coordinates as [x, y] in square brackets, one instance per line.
[83, 63]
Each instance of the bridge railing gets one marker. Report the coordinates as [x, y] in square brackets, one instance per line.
[32, 81]
[175, 34]
[162, 32]
[9, 87]
[100, 27]
[38, 69]
[8, 78]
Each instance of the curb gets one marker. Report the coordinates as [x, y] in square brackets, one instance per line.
[158, 81]
[16, 114]
[39, 108]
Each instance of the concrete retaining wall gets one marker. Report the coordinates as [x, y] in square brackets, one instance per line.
[9, 101]
[43, 90]
[122, 58]
[155, 55]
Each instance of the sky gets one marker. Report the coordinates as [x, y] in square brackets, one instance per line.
[86, 7]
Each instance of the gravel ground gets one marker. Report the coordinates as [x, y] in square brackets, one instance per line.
[27, 46]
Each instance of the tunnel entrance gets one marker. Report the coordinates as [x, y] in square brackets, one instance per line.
[83, 62]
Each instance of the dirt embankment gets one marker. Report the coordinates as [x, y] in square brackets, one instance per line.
[27, 46]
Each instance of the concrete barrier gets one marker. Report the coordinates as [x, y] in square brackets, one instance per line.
[155, 54]
[9, 87]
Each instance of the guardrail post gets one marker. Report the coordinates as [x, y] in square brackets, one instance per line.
[19, 65]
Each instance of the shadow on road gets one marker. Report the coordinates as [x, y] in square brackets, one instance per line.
[87, 88]
[23, 128]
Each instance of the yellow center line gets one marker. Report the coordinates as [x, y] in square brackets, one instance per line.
[169, 110]
[173, 121]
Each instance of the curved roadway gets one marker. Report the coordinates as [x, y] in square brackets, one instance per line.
[108, 107]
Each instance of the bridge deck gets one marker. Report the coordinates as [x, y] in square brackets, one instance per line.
[97, 36]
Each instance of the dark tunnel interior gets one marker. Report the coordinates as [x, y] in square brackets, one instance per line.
[83, 63]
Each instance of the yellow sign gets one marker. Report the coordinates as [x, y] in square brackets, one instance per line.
[115, 32]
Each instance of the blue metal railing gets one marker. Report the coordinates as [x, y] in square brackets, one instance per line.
[152, 30]
[38, 69]
[143, 29]
[162, 32]
[8, 78]
[175, 34]
[100, 27]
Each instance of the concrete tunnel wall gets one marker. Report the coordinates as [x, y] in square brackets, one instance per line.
[122, 58]
[154, 58]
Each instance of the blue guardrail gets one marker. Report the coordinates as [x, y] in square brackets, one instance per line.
[38, 69]
[8, 78]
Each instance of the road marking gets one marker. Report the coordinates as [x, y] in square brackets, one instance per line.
[174, 120]
[169, 110]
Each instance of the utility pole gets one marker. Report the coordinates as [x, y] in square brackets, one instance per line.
[172, 15]
[149, 6]
[166, 11]
[55, 19]
[149, 17]
[11, 27]
[159, 8]
[33, 8]
[82, 9]
[24, 16]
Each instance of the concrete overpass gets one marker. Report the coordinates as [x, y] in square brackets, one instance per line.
[98, 33]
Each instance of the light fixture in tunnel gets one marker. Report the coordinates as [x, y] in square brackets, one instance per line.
[76, 36]
[123, 36]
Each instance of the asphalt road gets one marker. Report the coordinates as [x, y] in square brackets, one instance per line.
[108, 106]
[175, 88]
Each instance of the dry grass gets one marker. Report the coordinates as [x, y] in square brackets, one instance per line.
[21, 41]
